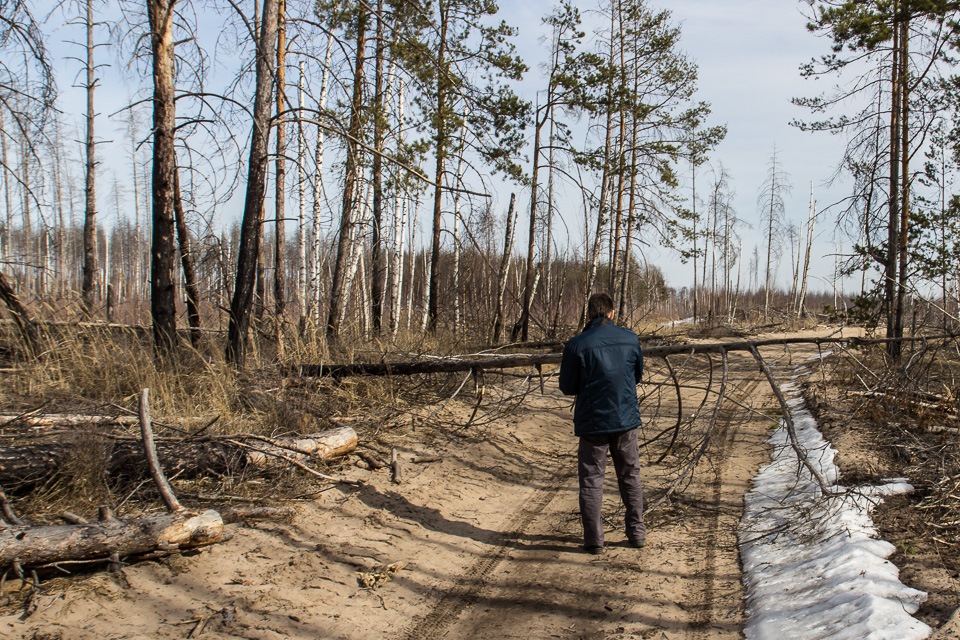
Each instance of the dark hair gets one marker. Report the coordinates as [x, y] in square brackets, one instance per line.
[599, 304]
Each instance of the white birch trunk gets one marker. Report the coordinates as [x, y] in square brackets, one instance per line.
[399, 226]
[316, 272]
[363, 304]
[410, 292]
[357, 218]
[457, 319]
[399, 233]
[301, 192]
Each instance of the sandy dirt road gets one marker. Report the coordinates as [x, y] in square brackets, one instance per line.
[482, 544]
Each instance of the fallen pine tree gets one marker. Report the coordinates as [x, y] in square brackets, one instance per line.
[26, 465]
[480, 362]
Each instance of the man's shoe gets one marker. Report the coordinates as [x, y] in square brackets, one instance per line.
[593, 550]
[637, 542]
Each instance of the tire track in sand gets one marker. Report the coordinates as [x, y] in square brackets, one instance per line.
[704, 602]
[472, 582]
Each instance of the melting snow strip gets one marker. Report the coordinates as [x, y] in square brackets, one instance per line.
[813, 566]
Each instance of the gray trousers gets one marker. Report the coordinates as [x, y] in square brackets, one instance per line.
[591, 467]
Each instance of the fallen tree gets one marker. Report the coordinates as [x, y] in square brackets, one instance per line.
[36, 547]
[479, 362]
[29, 464]
[26, 549]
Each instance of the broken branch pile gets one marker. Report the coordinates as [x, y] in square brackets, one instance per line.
[24, 465]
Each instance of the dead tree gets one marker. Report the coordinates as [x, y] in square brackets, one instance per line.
[163, 299]
[24, 466]
[186, 263]
[90, 266]
[504, 270]
[479, 362]
[26, 327]
[248, 256]
[280, 228]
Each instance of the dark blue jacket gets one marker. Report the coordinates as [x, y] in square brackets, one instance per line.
[602, 367]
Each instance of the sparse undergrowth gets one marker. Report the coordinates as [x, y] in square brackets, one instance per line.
[198, 397]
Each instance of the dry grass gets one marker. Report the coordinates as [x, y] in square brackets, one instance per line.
[98, 371]
[910, 411]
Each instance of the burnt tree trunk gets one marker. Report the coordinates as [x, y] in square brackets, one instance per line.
[186, 263]
[90, 267]
[163, 299]
[250, 226]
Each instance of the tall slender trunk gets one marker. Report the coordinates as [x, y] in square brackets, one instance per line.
[548, 246]
[248, 253]
[302, 201]
[400, 226]
[316, 272]
[337, 290]
[163, 290]
[8, 201]
[399, 235]
[61, 222]
[893, 220]
[280, 193]
[186, 264]
[631, 222]
[727, 266]
[457, 252]
[696, 290]
[768, 279]
[137, 264]
[530, 271]
[811, 221]
[504, 270]
[601, 221]
[377, 259]
[356, 248]
[90, 267]
[902, 248]
[440, 142]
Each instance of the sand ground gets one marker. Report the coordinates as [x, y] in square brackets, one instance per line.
[482, 543]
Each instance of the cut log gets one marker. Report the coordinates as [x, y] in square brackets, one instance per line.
[37, 547]
[325, 446]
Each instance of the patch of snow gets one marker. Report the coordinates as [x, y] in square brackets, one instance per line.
[813, 566]
[673, 323]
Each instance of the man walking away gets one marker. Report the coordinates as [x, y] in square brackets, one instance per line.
[602, 367]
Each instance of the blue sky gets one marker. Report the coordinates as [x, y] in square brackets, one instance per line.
[748, 53]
